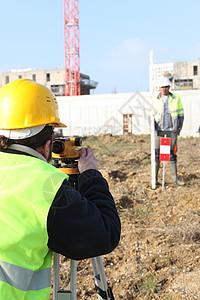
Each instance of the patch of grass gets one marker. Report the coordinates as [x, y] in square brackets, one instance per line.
[150, 286]
[101, 145]
[172, 297]
[147, 162]
[168, 202]
[128, 212]
[170, 261]
[138, 214]
[141, 214]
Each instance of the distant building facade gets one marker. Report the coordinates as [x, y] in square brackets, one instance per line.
[183, 75]
[54, 79]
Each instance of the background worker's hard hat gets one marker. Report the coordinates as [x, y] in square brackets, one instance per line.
[25, 103]
[164, 81]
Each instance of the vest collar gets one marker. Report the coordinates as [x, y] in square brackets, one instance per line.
[27, 150]
[170, 94]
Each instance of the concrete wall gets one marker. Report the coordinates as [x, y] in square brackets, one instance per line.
[95, 114]
[191, 104]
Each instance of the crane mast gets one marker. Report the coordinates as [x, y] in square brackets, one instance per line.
[71, 39]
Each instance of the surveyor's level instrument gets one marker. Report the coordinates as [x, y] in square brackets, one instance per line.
[65, 158]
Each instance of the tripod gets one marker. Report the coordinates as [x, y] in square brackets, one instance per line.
[103, 290]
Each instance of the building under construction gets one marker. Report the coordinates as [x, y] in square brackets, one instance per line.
[54, 79]
[183, 75]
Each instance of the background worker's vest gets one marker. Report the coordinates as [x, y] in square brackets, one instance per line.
[28, 186]
[175, 106]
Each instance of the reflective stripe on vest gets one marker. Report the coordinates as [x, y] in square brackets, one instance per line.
[24, 279]
[176, 111]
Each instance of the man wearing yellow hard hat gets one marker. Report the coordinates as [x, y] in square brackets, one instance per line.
[40, 211]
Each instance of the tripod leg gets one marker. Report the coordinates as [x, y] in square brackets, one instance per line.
[56, 265]
[104, 292]
[73, 279]
[97, 279]
[64, 294]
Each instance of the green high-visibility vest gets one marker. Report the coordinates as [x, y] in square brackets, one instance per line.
[175, 106]
[28, 186]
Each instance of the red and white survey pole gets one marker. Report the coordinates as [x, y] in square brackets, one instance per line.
[164, 155]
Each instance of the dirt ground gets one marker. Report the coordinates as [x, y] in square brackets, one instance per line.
[158, 256]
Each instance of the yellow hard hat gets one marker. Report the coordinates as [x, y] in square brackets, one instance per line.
[25, 103]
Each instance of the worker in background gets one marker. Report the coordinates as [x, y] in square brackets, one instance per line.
[168, 118]
[40, 211]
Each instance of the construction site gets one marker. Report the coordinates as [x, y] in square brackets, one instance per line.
[158, 256]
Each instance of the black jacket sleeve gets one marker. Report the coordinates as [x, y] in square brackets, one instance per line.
[83, 223]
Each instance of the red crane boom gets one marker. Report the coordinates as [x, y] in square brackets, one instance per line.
[72, 56]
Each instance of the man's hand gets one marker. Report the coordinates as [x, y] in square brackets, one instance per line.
[87, 160]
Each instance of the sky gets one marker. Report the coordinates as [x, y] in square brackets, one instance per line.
[115, 38]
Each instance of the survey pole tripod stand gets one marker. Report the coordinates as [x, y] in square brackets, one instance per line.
[102, 288]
